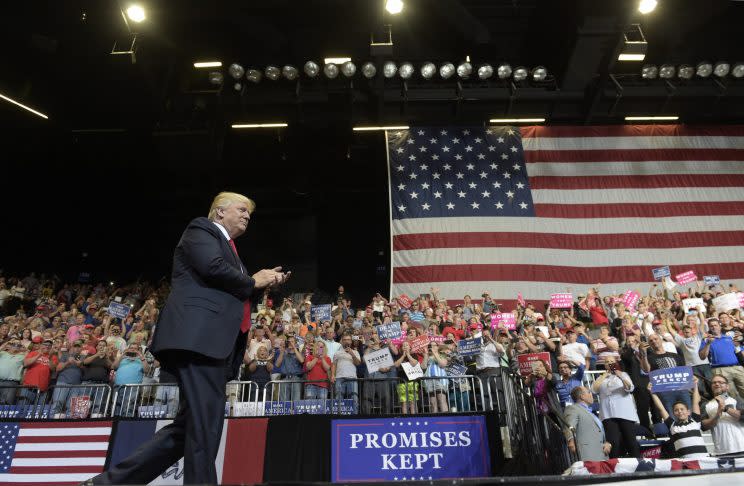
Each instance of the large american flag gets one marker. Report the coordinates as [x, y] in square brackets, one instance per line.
[540, 210]
[52, 452]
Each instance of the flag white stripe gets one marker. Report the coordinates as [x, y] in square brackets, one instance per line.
[632, 143]
[507, 290]
[570, 258]
[698, 195]
[568, 226]
[578, 169]
[58, 461]
[63, 446]
[45, 478]
[64, 432]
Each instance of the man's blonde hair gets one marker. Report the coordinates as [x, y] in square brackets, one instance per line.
[225, 199]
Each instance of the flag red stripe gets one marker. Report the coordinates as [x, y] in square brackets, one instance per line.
[54, 470]
[46, 454]
[639, 155]
[637, 181]
[65, 425]
[244, 435]
[651, 210]
[633, 131]
[567, 242]
[24, 439]
[553, 273]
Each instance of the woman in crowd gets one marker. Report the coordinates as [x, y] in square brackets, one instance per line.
[408, 389]
[617, 409]
[435, 364]
[318, 366]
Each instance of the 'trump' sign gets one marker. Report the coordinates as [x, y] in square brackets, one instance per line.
[416, 448]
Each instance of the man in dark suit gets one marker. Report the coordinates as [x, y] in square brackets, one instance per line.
[200, 339]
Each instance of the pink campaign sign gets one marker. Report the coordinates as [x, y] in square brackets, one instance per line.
[405, 301]
[741, 300]
[507, 318]
[631, 299]
[561, 301]
[686, 277]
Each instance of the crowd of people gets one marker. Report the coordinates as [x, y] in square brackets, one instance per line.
[64, 334]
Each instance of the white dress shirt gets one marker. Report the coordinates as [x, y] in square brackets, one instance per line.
[616, 401]
[227, 237]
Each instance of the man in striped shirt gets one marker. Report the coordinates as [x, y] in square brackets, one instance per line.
[684, 427]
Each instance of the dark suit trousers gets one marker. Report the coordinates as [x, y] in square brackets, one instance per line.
[621, 434]
[194, 434]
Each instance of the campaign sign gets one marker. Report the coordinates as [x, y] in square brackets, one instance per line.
[686, 277]
[436, 338]
[319, 313]
[456, 369]
[378, 359]
[741, 299]
[412, 449]
[712, 279]
[726, 302]
[412, 372]
[388, 331]
[661, 272]
[520, 300]
[121, 311]
[561, 301]
[671, 379]
[507, 318]
[405, 301]
[469, 347]
[692, 304]
[525, 362]
[419, 344]
[631, 299]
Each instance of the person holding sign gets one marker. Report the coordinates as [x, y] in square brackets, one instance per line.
[379, 382]
[654, 357]
[408, 390]
[685, 427]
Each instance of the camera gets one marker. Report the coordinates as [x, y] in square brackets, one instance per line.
[261, 363]
[130, 354]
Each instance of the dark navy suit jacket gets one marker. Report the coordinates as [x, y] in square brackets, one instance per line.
[205, 307]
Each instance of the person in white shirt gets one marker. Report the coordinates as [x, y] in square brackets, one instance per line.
[723, 417]
[617, 409]
[488, 367]
[343, 370]
[576, 353]
[329, 340]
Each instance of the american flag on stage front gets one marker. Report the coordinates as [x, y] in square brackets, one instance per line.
[538, 210]
[52, 452]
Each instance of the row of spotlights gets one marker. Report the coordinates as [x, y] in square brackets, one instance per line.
[390, 69]
[686, 71]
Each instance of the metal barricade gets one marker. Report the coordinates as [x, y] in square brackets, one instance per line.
[146, 400]
[442, 394]
[380, 396]
[20, 401]
[90, 400]
[244, 399]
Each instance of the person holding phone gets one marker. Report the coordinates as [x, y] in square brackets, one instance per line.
[617, 409]
[130, 367]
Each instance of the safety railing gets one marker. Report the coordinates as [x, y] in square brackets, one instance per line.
[20, 401]
[444, 394]
[244, 399]
[90, 400]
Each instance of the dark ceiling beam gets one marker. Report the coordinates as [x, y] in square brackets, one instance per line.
[471, 29]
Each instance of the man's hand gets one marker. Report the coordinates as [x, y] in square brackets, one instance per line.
[268, 277]
[606, 448]
[572, 446]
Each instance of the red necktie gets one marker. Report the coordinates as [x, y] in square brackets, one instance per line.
[246, 322]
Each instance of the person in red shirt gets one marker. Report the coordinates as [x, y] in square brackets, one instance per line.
[317, 365]
[39, 366]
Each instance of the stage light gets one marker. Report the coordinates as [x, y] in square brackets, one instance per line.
[738, 70]
[647, 6]
[389, 69]
[369, 70]
[207, 64]
[406, 70]
[348, 69]
[721, 69]
[259, 125]
[504, 71]
[272, 72]
[330, 71]
[446, 70]
[666, 71]
[485, 71]
[517, 120]
[428, 70]
[652, 118]
[21, 105]
[216, 78]
[254, 75]
[649, 71]
[136, 13]
[336, 60]
[464, 70]
[236, 70]
[686, 71]
[704, 69]
[290, 72]
[520, 73]
[370, 129]
[311, 69]
[394, 7]
[539, 73]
